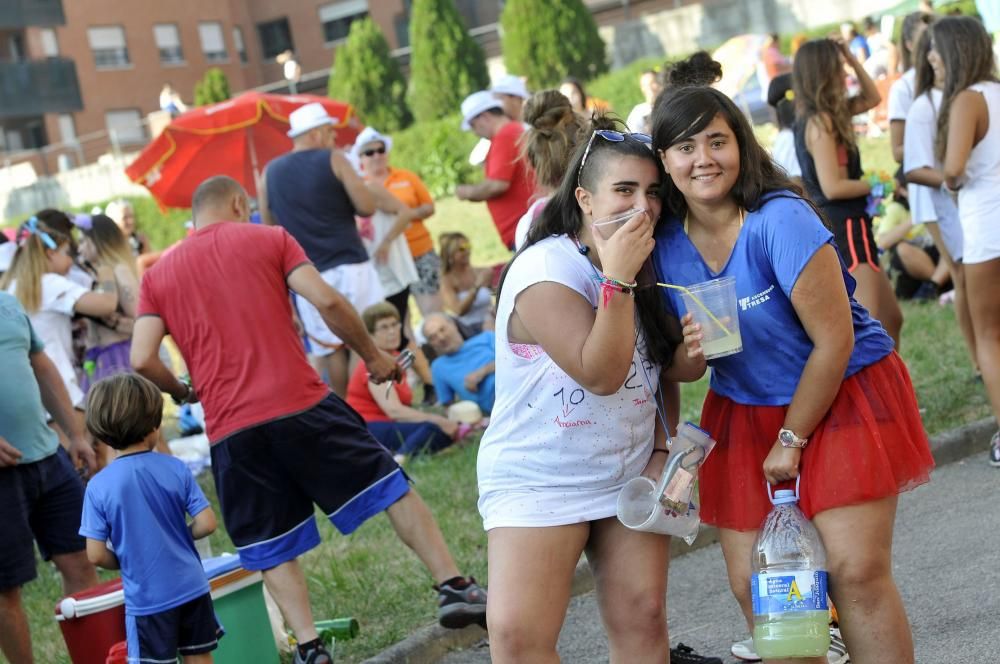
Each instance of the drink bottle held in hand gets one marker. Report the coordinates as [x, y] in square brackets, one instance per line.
[788, 584]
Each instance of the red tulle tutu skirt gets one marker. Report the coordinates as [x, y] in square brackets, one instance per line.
[870, 445]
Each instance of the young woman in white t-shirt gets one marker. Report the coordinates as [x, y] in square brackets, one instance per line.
[578, 359]
[903, 89]
[968, 143]
[923, 171]
[37, 277]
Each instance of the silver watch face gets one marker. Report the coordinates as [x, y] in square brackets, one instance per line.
[788, 439]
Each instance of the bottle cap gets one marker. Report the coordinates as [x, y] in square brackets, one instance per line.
[784, 496]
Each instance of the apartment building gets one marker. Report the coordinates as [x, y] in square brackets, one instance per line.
[90, 71]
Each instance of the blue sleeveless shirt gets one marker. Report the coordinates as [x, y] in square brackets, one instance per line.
[313, 206]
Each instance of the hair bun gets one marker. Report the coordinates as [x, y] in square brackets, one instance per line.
[605, 121]
[698, 69]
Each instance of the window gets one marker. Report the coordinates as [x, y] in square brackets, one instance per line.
[67, 128]
[168, 43]
[241, 47]
[212, 43]
[108, 46]
[275, 37]
[125, 126]
[337, 17]
[50, 45]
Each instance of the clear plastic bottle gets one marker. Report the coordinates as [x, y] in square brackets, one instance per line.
[788, 584]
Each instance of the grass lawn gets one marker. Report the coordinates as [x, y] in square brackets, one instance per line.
[373, 577]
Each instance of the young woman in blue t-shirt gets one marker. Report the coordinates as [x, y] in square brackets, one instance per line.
[817, 391]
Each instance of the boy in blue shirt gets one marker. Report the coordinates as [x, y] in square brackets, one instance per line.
[139, 503]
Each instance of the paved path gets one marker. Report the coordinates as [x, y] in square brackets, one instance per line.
[947, 565]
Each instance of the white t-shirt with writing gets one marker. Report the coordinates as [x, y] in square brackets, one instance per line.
[554, 453]
[53, 325]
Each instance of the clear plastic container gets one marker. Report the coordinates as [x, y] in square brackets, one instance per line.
[788, 584]
[670, 505]
[608, 226]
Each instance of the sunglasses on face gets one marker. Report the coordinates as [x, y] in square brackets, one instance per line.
[373, 152]
[613, 137]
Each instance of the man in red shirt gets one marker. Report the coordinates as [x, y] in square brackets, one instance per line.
[508, 185]
[280, 440]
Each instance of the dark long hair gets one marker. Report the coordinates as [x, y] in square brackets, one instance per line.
[911, 58]
[685, 112]
[924, 73]
[967, 53]
[818, 80]
[562, 216]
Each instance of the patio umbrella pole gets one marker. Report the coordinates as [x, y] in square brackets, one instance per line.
[253, 162]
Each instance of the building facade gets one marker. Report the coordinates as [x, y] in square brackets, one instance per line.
[115, 56]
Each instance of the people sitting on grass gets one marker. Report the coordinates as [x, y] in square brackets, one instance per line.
[389, 414]
[464, 368]
[465, 289]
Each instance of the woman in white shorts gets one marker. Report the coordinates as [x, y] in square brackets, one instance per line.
[930, 204]
[968, 142]
[578, 359]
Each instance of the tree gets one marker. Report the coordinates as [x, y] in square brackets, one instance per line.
[548, 41]
[365, 75]
[212, 88]
[446, 64]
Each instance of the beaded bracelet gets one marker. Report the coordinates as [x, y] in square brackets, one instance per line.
[610, 286]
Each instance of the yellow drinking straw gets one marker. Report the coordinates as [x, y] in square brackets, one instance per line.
[700, 304]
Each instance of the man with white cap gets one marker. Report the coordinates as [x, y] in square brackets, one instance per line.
[315, 193]
[511, 91]
[507, 186]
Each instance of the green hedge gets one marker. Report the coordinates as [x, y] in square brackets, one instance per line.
[438, 151]
[620, 88]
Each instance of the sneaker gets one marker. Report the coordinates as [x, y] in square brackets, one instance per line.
[837, 654]
[744, 650]
[683, 654]
[318, 655]
[995, 450]
[461, 607]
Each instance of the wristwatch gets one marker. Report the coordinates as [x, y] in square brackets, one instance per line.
[789, 439]
[187, 395]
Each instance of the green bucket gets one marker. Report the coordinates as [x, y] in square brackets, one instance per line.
[238, 596]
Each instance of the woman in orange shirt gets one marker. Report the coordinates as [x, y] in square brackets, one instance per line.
[372, 150]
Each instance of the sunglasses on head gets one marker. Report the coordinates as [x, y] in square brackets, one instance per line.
[613, 137]
[373, 151]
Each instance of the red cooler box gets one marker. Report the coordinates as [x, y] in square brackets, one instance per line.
[92, 621]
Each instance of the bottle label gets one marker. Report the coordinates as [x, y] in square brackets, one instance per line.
[785, 592]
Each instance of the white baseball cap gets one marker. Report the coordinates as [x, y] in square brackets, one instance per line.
[370, 135]
[511, 85]
[477, 103]
[308, 116]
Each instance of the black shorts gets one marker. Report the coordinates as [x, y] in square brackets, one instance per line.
[39, 502]
[189, 629]
[907, 286]
[269, 476]
[856, 242]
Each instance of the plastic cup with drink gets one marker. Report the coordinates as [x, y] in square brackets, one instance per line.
[712, 304]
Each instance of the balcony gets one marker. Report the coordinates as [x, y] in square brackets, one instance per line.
[36, 87]
[26, 13]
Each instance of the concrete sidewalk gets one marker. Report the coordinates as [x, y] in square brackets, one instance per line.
[433, 643]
